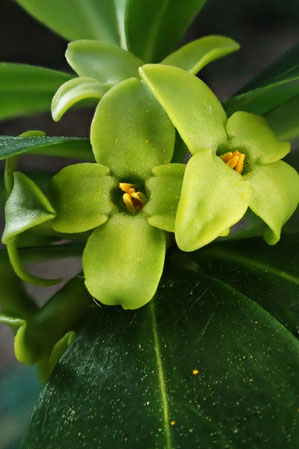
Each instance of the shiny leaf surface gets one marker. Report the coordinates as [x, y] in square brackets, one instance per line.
[71, 147]
[203, 365]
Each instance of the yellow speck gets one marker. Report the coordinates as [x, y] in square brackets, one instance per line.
[164, 150]
[243, 196]
[256, 322]
[195, 372]
[166, 162]
[172, 423]
[116, 140]
[177, 196]
[147, 141]
[184, 202]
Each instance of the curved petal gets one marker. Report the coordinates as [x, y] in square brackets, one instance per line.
[192, 107]
[123, 261]
[197, 54]
[130, 132]
[74, 91]
[25, 208]
[275, 195]
[81, 197]
[163, 193]
[104, 62]
[251, 134]
[214, 197]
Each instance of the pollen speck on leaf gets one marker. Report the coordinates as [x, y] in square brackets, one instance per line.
[116, 140]
[147, 141]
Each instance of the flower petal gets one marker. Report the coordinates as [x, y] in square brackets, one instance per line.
[25, 208]
[130, 132]
[197, 54]
[275, 195]
[194, 110]
[163, 192]
[73, 92]
[123, 261]
[81, 197]
[214, 197]
[104, 62]
[251, 134]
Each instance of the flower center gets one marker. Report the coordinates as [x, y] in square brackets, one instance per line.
[234, 160]
[134, 201]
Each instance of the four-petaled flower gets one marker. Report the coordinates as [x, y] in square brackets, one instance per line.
[235, 164]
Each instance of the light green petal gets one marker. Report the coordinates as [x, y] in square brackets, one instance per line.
[123, 261]
[163, 192]
[25, 208]
[104, 62]
[81, 197]
[214, 197]
[251, 134]
[73, 92]
[130, 132]
[191, 106]
[275, 195]
[197, 54]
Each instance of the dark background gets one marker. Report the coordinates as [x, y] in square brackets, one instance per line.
[265, 29]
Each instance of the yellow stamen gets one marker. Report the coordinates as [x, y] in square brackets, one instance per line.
[172, 423]
[234, 160]
[195, 372]
[134, 201]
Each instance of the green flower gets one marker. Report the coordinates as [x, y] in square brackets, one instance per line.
[235, 163]
[128, 199]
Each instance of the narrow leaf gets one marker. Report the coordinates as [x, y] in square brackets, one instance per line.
[197, 54]
[284, 120]
[73, 19]
[155, 27]
[71, 147]
[26, 89]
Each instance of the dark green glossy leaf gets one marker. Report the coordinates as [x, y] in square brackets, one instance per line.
[73, 19]
[197, 54]
[278, 84]
[155, 27]
[128, 380]
[26, 89]
[72, 147]
[104, 62]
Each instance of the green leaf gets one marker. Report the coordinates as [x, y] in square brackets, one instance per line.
[190, 104]
[25, 208]
[278, 84]
[72, 147]
[74, 91]
[155, 27]
[163, 193]
[26, 89]
[141, 365]
[81, 197]
[106, 63]
[251, 134]
[72, 19]
[214, 197]
[130, 132]
[197, 54]
[267, 275]
[275, 196]
[123, 261]
[284, 119]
